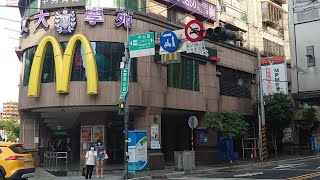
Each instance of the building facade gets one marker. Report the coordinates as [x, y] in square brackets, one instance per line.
[61, 106]
[10, 111]
[305, 67]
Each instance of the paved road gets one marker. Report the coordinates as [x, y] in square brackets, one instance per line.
[308, 168]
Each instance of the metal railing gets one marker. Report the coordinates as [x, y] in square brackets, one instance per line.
[52, 159]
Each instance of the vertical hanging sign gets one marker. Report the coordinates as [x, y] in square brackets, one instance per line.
[124, 83]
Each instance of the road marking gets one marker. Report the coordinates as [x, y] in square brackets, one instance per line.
[248, 174]
[306, 176]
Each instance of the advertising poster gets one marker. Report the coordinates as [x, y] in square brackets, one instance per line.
[287, 135]
[98, 133]
[137, 150]
[155, 144]
[201, 136]
[86, 133]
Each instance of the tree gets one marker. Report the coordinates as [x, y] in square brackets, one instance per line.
[279, 111]
[227, 123]
[307, 117]
[12, 128]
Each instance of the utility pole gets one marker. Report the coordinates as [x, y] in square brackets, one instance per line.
[127, 64]
[262, 122]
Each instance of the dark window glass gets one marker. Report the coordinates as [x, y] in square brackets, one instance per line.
[48, 71]
[108, 57]
[137, 5]
[32, 7]
[184, 75]
[27, 58]
[235, 83]
[18, 149]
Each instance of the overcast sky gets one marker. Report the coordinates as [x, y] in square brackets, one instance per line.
[9, 63]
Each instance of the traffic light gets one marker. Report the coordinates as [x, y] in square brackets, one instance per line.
[219, 34]
[120, 109]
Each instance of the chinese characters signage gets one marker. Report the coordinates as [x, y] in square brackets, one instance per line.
[123, 18]
[200, 7]
[94, 15]
[24, 25]
[274, 79]
[47, 4]
[41, 19]
[124, 82]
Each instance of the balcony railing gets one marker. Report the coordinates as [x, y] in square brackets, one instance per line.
[272, 15]
[279, 2]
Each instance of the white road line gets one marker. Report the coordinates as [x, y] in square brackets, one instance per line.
[289, 166]
[248, 174]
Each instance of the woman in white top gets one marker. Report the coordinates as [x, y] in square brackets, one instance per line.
[90, 161]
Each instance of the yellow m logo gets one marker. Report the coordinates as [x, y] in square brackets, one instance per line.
[63, 65]
[170, 58]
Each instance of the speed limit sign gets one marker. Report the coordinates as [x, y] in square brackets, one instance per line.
[192, 30]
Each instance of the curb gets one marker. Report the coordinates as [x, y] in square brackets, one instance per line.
[260, 164]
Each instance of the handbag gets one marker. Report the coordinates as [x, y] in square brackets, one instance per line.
[106, 156]
[84, 171]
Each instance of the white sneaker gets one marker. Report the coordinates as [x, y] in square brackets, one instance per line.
[97, 176]
[101, 176]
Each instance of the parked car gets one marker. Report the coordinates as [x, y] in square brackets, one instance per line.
[15, 162]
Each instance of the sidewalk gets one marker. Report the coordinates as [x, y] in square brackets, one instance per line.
[169, 172]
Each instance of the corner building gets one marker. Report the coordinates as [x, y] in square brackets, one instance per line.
[166, 95]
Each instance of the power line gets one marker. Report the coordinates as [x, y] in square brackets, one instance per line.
[10, 20]
[12, 29]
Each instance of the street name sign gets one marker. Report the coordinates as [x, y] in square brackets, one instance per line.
[124, 83]
[141, 45]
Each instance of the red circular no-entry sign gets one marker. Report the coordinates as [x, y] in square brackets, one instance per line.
[192, 30]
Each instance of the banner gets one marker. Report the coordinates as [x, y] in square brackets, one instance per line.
[274, 79]
[98, 133]
[200, 7]
[202, 136]
[155, 143]
[86, 133]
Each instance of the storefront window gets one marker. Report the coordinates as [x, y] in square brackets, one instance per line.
[108, 57]
[184, 75]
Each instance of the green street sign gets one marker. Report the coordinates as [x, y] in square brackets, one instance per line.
[141, 45]
[124, 83]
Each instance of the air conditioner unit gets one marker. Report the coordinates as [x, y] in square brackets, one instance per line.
[239, 35]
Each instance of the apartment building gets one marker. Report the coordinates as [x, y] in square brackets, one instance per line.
[10, 111]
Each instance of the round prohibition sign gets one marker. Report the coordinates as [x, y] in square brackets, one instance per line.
[192, 30]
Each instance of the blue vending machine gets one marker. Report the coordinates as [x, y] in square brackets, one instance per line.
[137, 150]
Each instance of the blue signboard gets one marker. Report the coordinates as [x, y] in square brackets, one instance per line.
[169, 41]
[137, 149]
